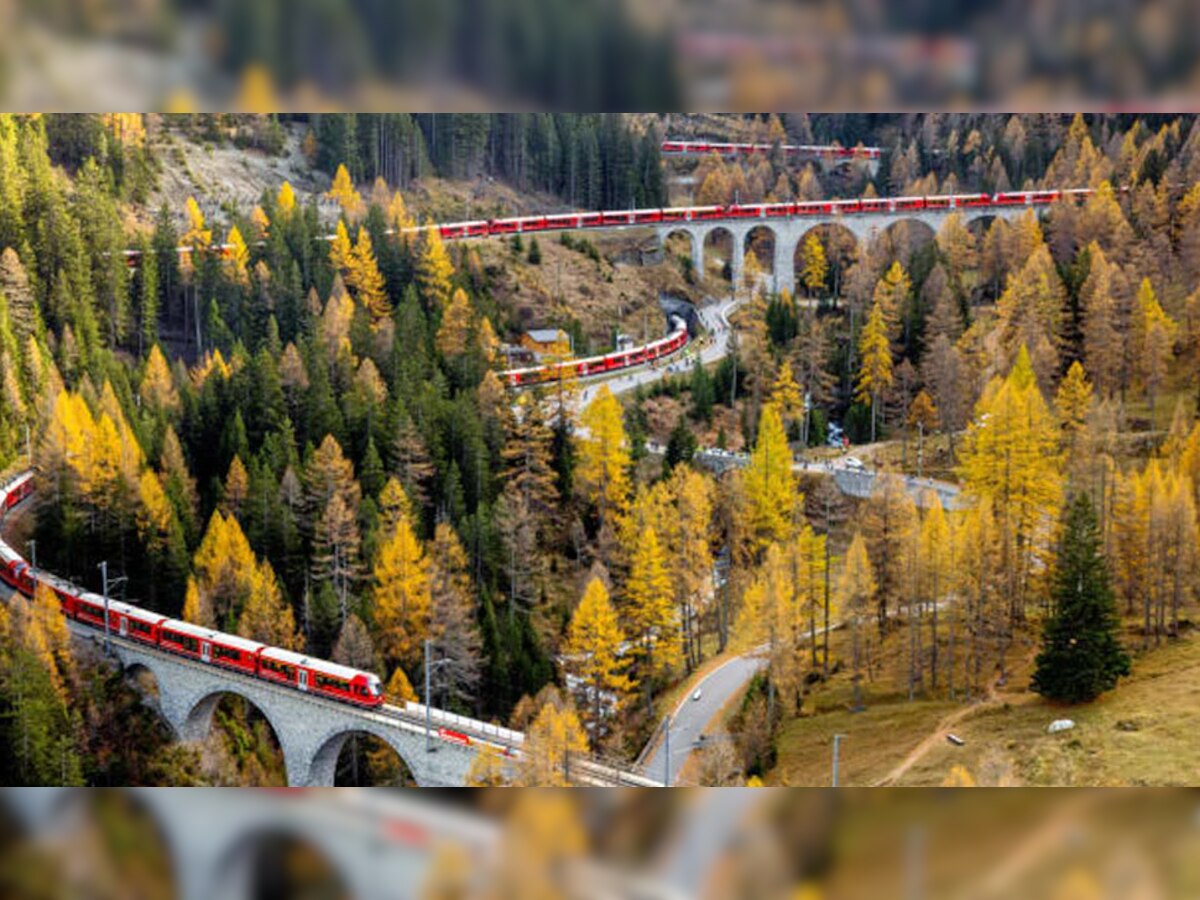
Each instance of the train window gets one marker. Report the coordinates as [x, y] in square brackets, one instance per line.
[139, 627]
[324, 681]
[183, 640]
[220, 652]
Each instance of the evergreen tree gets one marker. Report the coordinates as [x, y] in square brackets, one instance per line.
[1081, 654]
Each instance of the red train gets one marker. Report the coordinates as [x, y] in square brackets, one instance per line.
[215, 648]
[597, 365]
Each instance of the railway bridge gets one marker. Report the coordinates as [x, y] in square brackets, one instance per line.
[437, 746]
[788, 233]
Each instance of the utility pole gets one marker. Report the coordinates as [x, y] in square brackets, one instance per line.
[33, 553]
[667, 747]
[104, 588]
[837, 744]
[428, 700]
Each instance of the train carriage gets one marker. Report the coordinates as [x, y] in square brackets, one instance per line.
[319, 676]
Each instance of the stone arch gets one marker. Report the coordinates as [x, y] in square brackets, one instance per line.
[720, 242]
[842, 245]
[251, 865]
[322, 769]
[904, 238]
[197, 723]
[763, 241]
[694, 240]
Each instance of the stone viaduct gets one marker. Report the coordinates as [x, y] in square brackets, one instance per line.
[788, 233]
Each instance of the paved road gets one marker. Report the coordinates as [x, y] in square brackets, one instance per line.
[709, 830]
[692, 717]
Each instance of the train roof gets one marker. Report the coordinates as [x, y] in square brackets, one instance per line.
[292, 658]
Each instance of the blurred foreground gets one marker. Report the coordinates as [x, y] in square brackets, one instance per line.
[596, 54]
[744, 843]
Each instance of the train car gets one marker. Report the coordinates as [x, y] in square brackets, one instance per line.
[211, 647]
[908, 203]
[970, 201]
[478, 228]
[17, 490]
[318, 676]
[739, 211]
[17, 573]
[647, 216]
[88, 608]
[616, 217]
[1012, 198]
[567, 221]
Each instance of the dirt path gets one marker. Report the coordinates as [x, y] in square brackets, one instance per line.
[943, 728]
[936, 736]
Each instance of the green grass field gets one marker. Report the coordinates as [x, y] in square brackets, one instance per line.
[1142, 733]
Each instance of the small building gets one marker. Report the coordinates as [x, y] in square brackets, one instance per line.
[552, 342]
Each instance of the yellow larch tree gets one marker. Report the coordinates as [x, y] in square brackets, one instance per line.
[875, 370]
[158, 387]
[237, 488]
[197, 237]
[809, 571]
[434, 269]
[266, 617]
[1072, 402]
[554, 737]
[1154, 334]
[237, 258]
[934, 559]
[891, 294]
[261, 223]
[366, 281]
[285, 200]
[1011, 457]
[785, 393]
[593, 656]
[344, 193]
[770, 483]
[604, 455]
[814, 267]
[341, 251]
[856, 590]
[455, 330]
[403, 595]
[650, 611]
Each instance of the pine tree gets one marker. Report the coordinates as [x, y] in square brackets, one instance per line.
[1081, 655]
